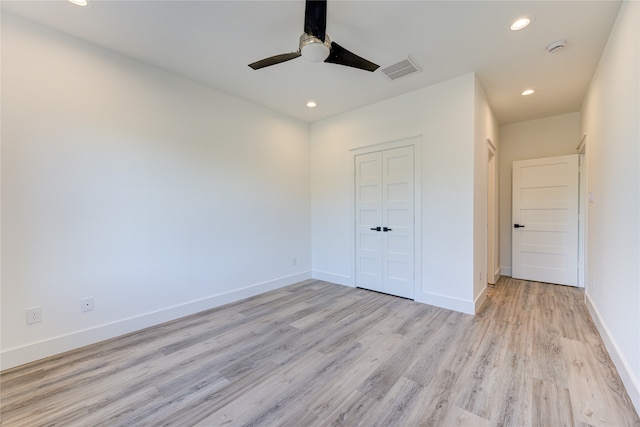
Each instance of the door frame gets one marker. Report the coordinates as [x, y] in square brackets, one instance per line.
[582, 211]
[491, 214]
[416, 143]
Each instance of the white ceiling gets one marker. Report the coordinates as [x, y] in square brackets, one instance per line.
[212, 42]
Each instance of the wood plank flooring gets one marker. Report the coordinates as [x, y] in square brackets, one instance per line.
[318, 354]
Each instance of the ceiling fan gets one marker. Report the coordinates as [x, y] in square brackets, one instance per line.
[315, 44]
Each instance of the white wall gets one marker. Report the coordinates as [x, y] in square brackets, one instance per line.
[443, 115]
[610, 118]
[547, 137]
[154, 195]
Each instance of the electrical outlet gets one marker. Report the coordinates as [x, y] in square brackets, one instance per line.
[86, 304]
[34, 315]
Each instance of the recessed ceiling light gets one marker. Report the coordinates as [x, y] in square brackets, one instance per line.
[528, 92]
[311, 104]
[80, 2]
[520, 23]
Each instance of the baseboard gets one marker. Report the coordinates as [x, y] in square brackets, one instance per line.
[629, 379]
[56, 345]
[505, 271]
[480, 300]
[443, 301]
[333, 278]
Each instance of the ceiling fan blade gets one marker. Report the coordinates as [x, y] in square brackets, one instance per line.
[315, 18]
[273, 60]
[340, 55]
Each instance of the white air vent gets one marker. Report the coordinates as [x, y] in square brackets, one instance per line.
[400, 68]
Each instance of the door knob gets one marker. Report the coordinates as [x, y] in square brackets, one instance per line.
[385, 229]
[375, 229]
[518, 226]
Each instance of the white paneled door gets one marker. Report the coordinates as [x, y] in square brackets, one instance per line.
[384, 186]
[545, 220]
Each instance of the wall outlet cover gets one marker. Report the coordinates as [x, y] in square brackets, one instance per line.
[34, 315]
[86, 304]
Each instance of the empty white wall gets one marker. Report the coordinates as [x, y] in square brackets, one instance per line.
[611, 113]
[443, 115]
[547, 137]
[156, 196]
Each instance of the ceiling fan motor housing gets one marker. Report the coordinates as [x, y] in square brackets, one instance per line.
[313, 49]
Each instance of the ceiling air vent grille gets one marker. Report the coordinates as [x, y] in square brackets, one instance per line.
[400, 68]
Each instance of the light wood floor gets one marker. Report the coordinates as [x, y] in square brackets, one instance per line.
[317, 354]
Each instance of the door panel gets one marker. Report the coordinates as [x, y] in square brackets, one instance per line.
[545, 207]
[385, 221]
[368, 215]
[398, 212]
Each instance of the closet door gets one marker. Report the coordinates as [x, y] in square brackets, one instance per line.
[398, 222]
[385, 221]
[369, 221]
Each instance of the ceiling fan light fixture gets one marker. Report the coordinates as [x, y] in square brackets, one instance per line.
[313, 49]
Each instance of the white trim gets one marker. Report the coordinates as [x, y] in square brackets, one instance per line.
[491, 145]
[386, 145]
[495, 224]
[582, 218]
[333, 278]
[444, 301]
[582, 144]
[52, 346]
[417, 210]
[505, 271]
[416, 143]
[497, 273]
[630, 381]
[583, 214]
[480, 300]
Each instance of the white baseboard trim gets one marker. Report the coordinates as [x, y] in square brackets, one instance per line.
[31, 352]
[629, 379]
[480, 300]
[505, 271]
[443, 301]
[333, 278]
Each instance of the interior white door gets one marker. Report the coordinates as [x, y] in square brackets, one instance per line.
[545, 220]
[368, 187]
[385, 221]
